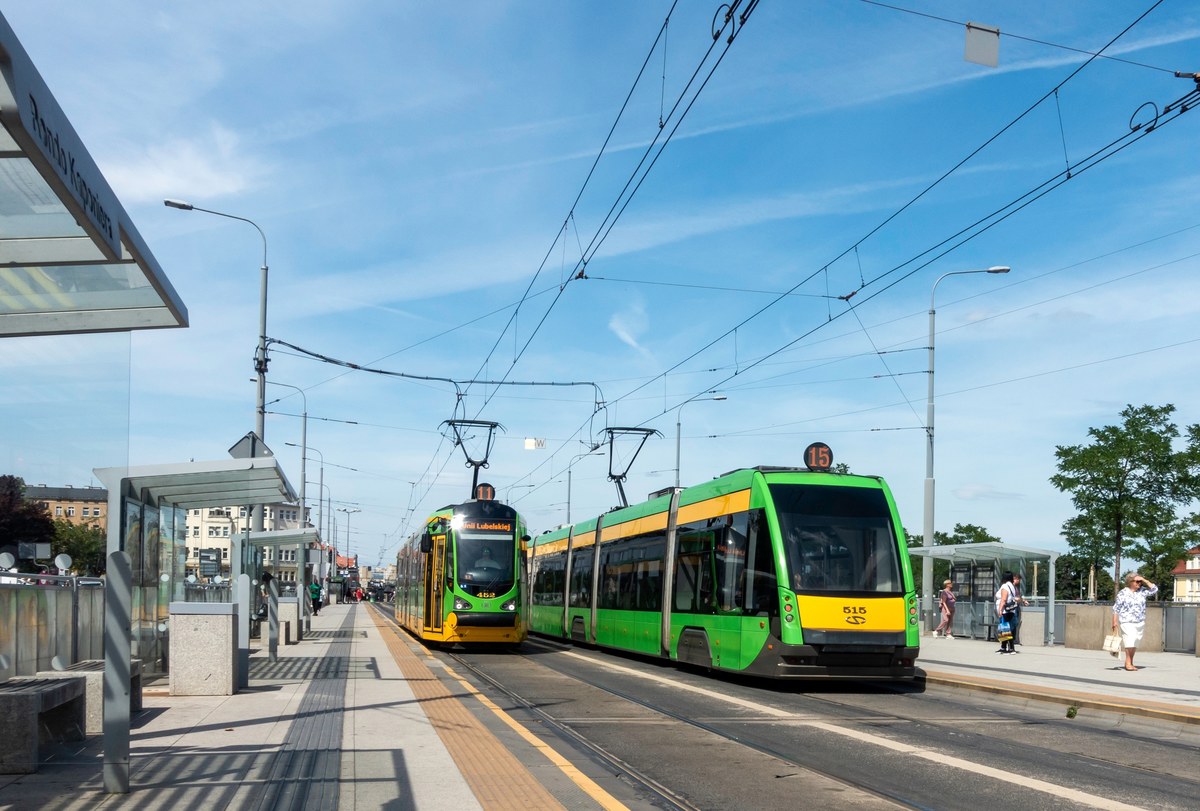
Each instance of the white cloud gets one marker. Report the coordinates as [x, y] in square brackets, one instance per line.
[209, 166]
[629, 324]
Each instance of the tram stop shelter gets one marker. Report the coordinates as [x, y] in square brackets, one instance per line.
[71, 260]
[976, 570]
[147, 506]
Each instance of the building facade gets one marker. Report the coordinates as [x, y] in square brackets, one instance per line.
[84, 506]
[1187, 577]
[210, 532]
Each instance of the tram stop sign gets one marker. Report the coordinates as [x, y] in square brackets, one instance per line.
[210, 562]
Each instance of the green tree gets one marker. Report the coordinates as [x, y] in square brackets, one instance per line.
[1166, 548]
[21, 521]
[85, 545]
[1127, 483]
[966, 533]
[1072, 574]
[962, 534]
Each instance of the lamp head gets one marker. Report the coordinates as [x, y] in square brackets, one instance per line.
[180, 204]
[999, 269]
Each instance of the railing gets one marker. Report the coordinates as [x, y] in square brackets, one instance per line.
[49, 622]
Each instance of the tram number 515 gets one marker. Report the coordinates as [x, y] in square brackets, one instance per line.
[855, 614]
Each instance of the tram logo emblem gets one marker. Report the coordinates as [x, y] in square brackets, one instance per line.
[857, 619]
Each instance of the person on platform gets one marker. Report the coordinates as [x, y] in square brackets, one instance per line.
[1006, 611]
[314, 594]
[1129, 613]
[946, 600]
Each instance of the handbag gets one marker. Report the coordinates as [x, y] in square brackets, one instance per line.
[1112, 643]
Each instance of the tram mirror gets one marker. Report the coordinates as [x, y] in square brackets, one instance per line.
[426, 543]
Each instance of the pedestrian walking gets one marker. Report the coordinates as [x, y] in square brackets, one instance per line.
[1006, 610]
[314, 594]
[1129, 613]
[946, 600]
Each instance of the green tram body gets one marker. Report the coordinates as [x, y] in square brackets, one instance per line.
[448, 592]
[774, 572]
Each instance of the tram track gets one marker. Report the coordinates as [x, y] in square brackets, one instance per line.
[607, 760]
[983, 752]
[566, 731]
[608, 722]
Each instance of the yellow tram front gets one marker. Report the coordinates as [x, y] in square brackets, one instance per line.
[472, 557]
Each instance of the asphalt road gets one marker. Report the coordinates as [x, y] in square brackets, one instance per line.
[661, 737]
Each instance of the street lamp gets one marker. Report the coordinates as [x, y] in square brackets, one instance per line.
[927, 537]
[678, 414]
[260, 357]
[303, 447]
[511, 487]
[348, 511]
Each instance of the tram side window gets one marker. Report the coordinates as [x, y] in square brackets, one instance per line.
[730, 547]
[694, 574]
[648, 584]
[548, 582]
[761, 582]
[631, 574]
[748, 583]
[616, 563]
[581, 579]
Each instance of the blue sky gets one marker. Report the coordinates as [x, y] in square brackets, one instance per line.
[420, 170]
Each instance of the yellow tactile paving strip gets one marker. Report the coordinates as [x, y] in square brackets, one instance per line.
[500, 781]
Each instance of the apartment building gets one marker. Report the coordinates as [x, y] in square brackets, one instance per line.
[210, 532]
[85, 506]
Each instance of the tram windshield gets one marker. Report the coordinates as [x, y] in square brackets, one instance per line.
[837, 539]
[486, 549]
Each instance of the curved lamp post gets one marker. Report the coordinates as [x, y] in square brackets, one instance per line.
[927, 536]
[260, 356]
[678, 413]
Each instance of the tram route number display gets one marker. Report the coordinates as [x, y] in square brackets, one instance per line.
[818, 456]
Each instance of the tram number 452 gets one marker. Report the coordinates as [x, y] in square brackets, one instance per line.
[855, 614]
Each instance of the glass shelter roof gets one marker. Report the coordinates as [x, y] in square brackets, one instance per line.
[71, 260]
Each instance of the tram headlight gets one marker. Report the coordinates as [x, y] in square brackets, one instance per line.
[461, 605]
[509, 605]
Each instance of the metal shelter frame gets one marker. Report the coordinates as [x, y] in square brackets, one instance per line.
[191, 485]
[1004, 557]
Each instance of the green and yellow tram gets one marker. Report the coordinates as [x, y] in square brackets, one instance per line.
[777, 572]
[460, 579]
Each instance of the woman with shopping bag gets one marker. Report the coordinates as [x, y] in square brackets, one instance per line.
[1129, 613]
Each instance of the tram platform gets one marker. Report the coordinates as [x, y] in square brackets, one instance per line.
[358, 716]
[352, 716]
[1166, 686]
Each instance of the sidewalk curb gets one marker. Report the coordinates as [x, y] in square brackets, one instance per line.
[1147, 709]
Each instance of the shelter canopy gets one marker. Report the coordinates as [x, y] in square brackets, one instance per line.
[71, 260]
[193, 485]
[1002, 552]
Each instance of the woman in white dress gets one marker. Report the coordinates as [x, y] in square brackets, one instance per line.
[1129, 613]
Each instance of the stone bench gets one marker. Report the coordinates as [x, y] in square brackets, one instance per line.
[92, 670]
[33, 711]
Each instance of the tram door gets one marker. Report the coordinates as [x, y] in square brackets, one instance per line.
[435, 564]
